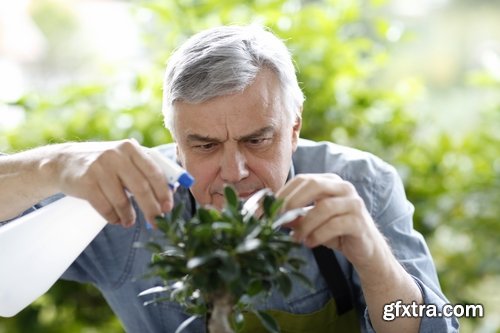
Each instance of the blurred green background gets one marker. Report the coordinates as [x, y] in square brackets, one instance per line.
[425, 97]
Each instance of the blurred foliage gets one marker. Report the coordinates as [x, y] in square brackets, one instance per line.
[67, 307]
[340, 48]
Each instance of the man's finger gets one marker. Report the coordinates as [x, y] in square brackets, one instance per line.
[156, 179]
[114, 192]
[104, 207]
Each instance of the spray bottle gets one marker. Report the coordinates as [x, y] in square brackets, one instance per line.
[37, 248]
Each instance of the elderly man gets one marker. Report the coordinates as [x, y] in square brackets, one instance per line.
[234, 107]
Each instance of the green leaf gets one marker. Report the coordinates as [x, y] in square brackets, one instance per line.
[238, 320]
[269, 323]
[271, 205]
[163, 223]
[204, 215]
[255, 287]
[176, 212]
[202, 260]
[249, 245]
[199, 261]
[208, 215]
[201, 232]
[186, 323]
[284, 284]
[153, 290]
[276, 206]
[229, 271]
[254, 233]
[267, 204]
[156, 258]
[151, 246]
[296, 262]
[231, 197]
[222, 226]
[173, 252]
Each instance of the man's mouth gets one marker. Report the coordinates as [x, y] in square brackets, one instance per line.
[246, 195]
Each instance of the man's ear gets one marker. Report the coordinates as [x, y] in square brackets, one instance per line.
[180, 158]
[297, 125]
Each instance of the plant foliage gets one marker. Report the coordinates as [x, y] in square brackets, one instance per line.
[230, 254]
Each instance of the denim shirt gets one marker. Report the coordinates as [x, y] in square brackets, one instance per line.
[116, 267]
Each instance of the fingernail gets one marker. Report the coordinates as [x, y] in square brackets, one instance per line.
[295, 236]
[308, 243]
[167, 206]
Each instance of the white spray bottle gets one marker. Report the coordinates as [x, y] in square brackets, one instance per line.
[37, 248]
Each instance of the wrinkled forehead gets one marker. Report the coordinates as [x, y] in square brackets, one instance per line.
[261, 102]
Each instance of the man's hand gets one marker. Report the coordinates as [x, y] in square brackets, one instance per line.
[101, 172]
[339, 219]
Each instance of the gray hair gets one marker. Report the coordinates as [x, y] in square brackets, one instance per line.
[225, 60]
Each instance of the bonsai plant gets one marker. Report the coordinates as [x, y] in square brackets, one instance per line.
[214, 263]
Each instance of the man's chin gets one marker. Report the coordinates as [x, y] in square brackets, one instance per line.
[218, 201]
[245, 196]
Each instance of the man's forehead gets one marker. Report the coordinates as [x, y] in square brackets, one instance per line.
[234, 115]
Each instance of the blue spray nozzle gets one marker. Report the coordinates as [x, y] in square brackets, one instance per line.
[186, 180]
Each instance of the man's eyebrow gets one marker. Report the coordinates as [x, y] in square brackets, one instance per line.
[257, 134]
[201, 138]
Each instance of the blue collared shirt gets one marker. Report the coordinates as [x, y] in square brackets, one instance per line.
[116, 267]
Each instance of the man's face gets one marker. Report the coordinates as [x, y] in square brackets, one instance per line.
[245, 140]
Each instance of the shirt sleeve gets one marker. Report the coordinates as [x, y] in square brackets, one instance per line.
[31, 209]
[35, 207]
[394, 216]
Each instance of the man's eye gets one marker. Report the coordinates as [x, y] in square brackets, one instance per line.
[206, 146]
[259, 141]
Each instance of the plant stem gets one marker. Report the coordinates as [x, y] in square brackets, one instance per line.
[222, 309]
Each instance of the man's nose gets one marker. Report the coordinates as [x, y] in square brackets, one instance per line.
[233, 166]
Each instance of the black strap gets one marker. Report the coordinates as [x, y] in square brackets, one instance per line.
[332, 273]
